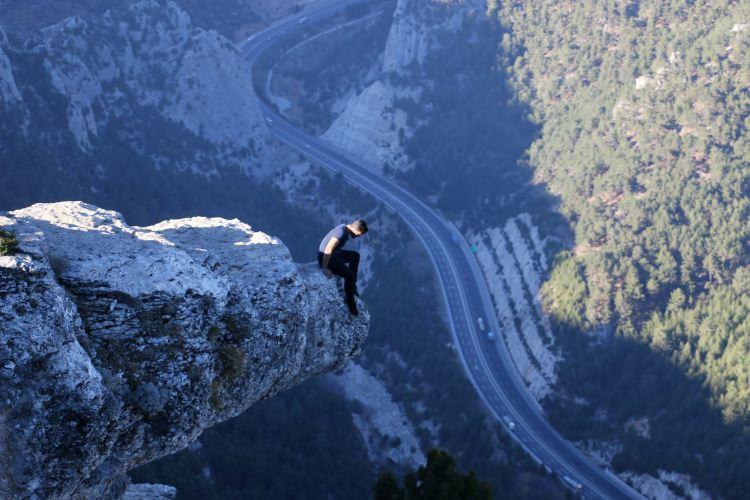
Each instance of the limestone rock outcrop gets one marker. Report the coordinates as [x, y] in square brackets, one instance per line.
[372, 126]
[121, 344]
[8, 90]
[369, 126]
[150, 54]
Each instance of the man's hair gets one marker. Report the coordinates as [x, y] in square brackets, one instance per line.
[360, 225]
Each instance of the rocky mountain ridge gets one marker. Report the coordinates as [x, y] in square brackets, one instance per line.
[137, 86]
[121, 344]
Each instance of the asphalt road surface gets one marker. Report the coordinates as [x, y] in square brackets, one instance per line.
[464, 289]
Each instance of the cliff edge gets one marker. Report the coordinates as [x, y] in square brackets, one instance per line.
[121, 344]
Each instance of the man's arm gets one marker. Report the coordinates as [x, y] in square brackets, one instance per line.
[328, 251]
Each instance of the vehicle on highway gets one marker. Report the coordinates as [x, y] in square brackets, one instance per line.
[491, 336]
[269, 120]
[509, 422]
[573, 484]
[480, 322]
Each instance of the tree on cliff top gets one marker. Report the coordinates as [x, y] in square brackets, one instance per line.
[439, 479]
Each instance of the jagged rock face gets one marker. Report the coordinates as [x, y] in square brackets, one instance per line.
[408, 40]
[150, 53]
[128, 73]
[8, 90]
[415, 23]
[371, 125]
[121, 344]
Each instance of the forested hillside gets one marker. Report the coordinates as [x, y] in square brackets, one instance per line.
[632, 117]
[644, 139]
[645, 108]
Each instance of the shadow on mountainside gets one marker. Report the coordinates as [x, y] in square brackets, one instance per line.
[624, 381]
[471, 133]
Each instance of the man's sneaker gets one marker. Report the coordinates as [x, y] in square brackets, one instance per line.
[352, 305]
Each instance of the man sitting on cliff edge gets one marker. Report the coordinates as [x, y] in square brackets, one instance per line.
[335, 260]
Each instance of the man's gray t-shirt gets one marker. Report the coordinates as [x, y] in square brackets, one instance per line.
[338, 232]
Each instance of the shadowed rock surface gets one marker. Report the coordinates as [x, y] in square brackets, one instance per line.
[120, 344]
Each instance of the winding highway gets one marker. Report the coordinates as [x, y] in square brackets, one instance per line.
[465, 293]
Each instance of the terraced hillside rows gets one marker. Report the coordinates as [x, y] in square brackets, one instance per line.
[513, 261]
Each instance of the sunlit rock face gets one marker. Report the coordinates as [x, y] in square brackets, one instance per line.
[373, 126]
[417, 24]
[370, 125]
[9, 94]
[121, 344]
[150, 53]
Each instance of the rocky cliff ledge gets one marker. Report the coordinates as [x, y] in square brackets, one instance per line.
[120, 344]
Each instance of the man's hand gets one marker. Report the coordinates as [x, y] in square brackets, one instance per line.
[327, 257]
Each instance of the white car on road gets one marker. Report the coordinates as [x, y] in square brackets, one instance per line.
[573, 484]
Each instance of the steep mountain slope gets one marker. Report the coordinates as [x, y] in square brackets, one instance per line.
[372, 125]
[645, 141]
[138, 89]
[122, 344]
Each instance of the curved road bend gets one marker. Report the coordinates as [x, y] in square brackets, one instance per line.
[464, 289]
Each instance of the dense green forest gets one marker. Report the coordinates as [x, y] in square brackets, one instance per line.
[640, 113]
[645, 111]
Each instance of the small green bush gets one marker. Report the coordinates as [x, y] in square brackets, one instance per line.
[233, 362]
[8, 243]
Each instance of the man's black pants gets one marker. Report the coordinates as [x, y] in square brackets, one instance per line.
[344, 263]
